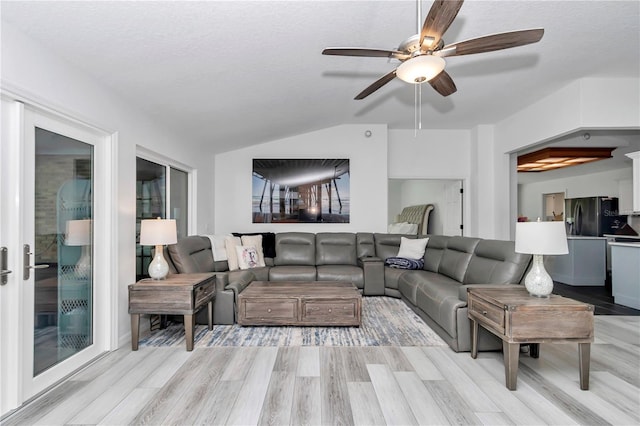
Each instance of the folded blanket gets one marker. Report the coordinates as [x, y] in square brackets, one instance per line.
[404, 263]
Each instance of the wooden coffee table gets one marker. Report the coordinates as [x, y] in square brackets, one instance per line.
[321, 303]
[516, 317]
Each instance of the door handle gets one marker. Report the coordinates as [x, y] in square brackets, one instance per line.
[26, 259]
[3, 264]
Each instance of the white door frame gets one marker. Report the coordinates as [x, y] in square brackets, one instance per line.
[16, 327]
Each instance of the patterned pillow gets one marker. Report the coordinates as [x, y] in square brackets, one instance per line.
[404, 263]
[247, 257]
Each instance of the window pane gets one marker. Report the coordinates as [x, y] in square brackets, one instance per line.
[178, 204]
[150, 203]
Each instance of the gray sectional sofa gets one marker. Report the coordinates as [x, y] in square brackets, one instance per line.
[437, 293]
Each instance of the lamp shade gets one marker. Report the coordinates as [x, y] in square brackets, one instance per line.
[155, 232]
[420, 68]
[541, 238]
[78, 232]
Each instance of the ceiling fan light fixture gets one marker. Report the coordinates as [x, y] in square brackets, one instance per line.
[420, 69]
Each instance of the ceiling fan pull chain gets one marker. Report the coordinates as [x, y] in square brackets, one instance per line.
[419, 106]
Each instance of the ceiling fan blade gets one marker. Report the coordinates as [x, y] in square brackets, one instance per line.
[438, 20]
[492, 42]
[376, 85]
[443, 84]
[363, 51]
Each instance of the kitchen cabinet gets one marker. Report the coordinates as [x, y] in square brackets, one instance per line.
[625, 270]
[585, 265]
[625, 196]
[635, 156]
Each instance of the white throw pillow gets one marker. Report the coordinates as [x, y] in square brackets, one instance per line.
[230, 244]
[403, 228]
[218, 247]
[412, 248]
[247, 257]
[254, 241]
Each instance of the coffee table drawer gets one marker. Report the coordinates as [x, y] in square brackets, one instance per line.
[268, 310]
[331, 312]
[489, 314]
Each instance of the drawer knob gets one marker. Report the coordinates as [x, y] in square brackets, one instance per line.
[329, 309]
[484, 312]
[269, 310]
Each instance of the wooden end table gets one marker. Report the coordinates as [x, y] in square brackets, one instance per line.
[179, 294]
[516, 317]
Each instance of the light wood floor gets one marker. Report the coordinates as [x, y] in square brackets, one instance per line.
[342, 385]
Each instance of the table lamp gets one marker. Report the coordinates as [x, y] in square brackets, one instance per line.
[78, 233]
[540, 238]
[157, 232]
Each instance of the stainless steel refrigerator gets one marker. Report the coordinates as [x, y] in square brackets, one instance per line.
[593, 216]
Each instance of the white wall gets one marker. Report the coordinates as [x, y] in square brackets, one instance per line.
[368, 169]
[32, 72]
[434, 154]
[596, 184]
[598, 103]
[409, 192]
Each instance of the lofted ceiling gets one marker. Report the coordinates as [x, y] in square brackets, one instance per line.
[229, 74]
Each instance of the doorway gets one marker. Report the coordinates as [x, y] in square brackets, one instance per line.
[553, 206]
[52, 233]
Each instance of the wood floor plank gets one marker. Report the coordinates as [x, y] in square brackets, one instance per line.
[287, 359]
[101, 365]
[494, 419]
[353, 364]
[217, 404]
[238, 367]
[189, 403]
[84, 396]
[129, 407]
[423, 406]
[335, 407]
[396, 359]
[616, 391]
[246, 409]
[550, 413]
[306, 407]
[308, 362]
[452, 404]
[395, 408]
[421, 363]
[175, 359]
[161, 405]
[276, 409]
[464, 385]
[365, 408]
[95, 411]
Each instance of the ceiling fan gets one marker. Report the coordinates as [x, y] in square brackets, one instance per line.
[422, 54]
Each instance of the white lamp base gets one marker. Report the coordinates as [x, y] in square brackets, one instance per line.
[158, 268]
[538, 282]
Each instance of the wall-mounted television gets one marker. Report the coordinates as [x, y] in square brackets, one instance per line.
[300, 190]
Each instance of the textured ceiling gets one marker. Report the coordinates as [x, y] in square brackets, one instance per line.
[234, 73]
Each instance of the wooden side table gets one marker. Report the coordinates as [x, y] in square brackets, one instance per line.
[514, 316]
[180, 294]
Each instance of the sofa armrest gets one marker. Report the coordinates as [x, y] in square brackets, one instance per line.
[462, 290]
[373, 271]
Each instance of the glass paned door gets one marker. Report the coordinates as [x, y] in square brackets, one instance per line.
[63, 240]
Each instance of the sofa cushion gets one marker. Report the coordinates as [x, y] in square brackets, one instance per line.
[433, 252]
[409, 283]
[292, 273]
[230, 244]
[192, 254]
[353, 274]
[256, 242]
[456, 257]
[295, 248]
[391, 277]
[247, 257]
[438, 298]
[366, 245]
[496, 262]
[336, 248]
